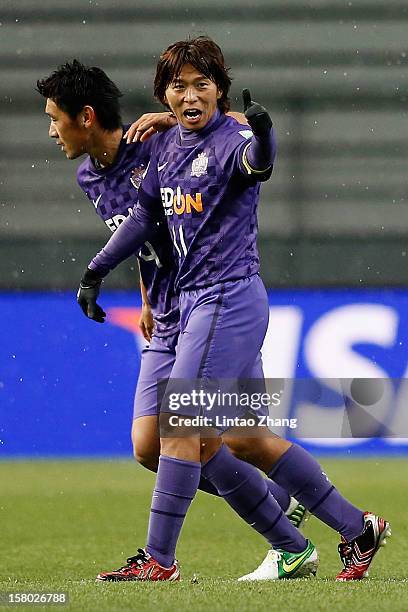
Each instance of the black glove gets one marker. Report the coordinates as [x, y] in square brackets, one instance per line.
[256, 115]
[87, 295]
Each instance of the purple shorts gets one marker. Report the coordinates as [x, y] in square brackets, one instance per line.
[156, 363]
[222, 331]
[221, 337]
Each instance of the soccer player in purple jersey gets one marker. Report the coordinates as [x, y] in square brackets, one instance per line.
[179, 468]
[83, 106]
[206, 179]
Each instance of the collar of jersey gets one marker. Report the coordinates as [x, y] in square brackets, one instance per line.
[190, 138]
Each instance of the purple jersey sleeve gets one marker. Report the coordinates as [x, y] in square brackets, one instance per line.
[113, 192]
[129, 237]
[258, 157]
[149, 193]
[255, 157]
[136, 228]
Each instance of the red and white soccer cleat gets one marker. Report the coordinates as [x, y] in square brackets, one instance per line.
[357, 554]
[141, 567]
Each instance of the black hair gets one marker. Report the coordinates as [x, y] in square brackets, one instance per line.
[206, 57]
[73, 86]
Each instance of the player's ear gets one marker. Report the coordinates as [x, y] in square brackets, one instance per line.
[219, 94]
[87, 116]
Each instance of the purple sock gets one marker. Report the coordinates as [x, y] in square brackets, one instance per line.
[205, 485]
[281, 496]
[300, 474]
[176, 485]
[246, 491]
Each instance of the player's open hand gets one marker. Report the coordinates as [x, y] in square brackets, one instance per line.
[149, 124]
[146, 322]
[88, 294]
[256, 115]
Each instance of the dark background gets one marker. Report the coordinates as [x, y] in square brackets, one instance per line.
[333, 75]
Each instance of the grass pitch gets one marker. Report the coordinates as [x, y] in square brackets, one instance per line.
[63, 522]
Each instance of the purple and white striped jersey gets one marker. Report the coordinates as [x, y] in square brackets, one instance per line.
[113, 191]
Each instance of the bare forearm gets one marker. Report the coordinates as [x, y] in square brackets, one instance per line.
[143, 291]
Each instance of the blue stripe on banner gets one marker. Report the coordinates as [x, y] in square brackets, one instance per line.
[67, 383]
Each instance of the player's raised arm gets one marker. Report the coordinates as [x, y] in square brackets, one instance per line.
[258, 156]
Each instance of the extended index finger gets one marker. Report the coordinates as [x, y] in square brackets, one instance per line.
[246, 96]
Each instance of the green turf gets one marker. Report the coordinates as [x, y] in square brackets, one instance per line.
[62, 522]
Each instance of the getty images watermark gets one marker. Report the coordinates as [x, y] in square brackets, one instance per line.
[242, 406]
[305, 408]
[219, 402]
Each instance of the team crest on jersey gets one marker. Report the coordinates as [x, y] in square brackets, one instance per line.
[199, 165]
[137, 176]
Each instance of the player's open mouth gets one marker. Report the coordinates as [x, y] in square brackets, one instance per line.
[193, 115]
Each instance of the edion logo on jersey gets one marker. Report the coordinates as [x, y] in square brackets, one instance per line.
[175, 202]
[114, 222]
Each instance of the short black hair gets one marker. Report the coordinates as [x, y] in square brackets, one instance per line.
[73, 86]
[206, 57]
